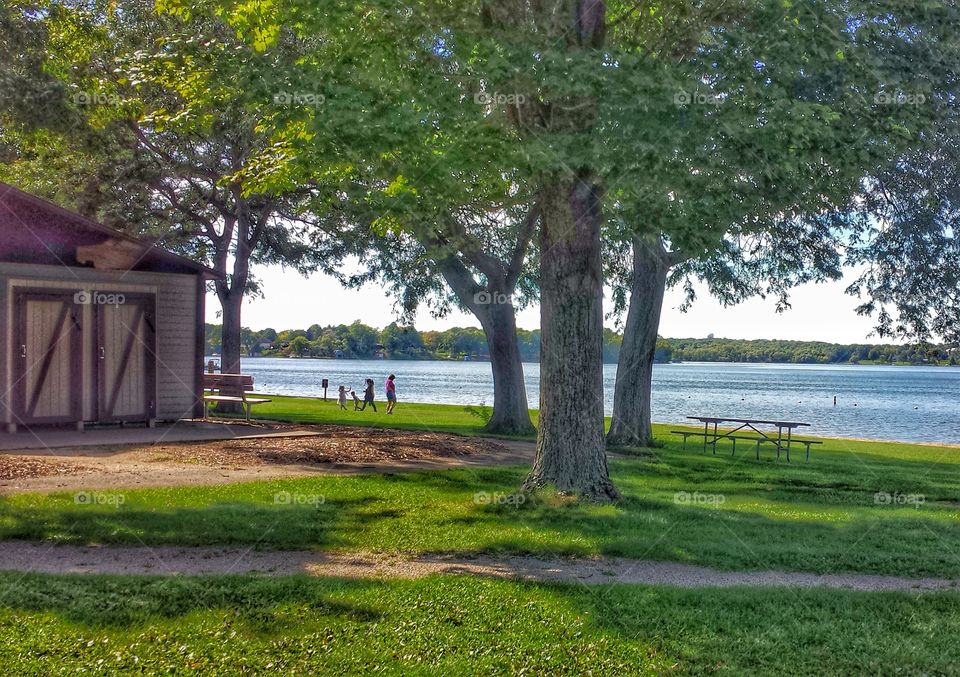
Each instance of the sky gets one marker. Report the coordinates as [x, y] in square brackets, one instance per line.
[821, 312]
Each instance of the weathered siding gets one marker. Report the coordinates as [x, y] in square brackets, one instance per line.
[177, 362]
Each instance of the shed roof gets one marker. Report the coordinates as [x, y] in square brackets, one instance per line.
[34, 230]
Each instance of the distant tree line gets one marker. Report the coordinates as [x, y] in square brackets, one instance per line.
[399, 342]
[360, 341]
[803, 352]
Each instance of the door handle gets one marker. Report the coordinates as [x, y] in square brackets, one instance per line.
[23, 351]
[103, 353]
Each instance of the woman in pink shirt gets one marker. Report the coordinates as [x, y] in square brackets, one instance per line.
[391, 389]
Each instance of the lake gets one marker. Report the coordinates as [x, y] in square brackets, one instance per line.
[911, 404]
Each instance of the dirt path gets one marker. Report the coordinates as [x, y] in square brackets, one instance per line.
[304, 451]
[166, 560]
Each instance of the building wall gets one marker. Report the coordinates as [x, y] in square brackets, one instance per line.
[176, 320]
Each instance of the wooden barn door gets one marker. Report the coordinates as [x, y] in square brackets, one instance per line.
[125, 354]
[48, 357]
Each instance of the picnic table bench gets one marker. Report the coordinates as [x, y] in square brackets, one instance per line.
[229, 388]
[782, 441]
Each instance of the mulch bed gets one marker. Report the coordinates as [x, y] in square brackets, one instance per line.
[19, 467]
[332, 444]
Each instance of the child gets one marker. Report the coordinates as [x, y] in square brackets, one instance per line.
[356, 401]
[343, 397]
[368, 396]
[391, 388]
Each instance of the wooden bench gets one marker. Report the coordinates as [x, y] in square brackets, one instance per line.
[229, 388]
[758, 440]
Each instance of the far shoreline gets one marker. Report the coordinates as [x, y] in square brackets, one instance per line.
[674, 362]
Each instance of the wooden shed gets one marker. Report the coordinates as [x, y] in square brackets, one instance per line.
[97, 327]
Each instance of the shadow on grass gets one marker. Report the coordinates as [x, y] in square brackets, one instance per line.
[776, 518]
[122, 601]
[284, 527]
[459, 623]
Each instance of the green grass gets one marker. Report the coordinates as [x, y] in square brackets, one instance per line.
[463, 626]
[463, 420]
[679, 505]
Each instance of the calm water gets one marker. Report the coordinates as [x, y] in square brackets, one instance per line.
[893, 403]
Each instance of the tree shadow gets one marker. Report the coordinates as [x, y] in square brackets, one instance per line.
[741, 630]
[267, 604]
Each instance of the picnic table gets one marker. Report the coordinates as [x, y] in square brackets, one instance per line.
[229, 388]
[762, 429]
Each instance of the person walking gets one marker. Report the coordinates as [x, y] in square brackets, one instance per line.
[391, 389]
[368, 396]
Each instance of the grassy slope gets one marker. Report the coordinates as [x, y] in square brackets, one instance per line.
[679, 505]
[455, 625]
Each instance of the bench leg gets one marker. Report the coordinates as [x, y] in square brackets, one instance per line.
[808, 453]
[247, 407]
[758, 450]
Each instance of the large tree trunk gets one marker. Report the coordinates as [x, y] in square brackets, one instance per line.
[570, 446]
[230, 340]
[631, 424]
[230, 303]
[511, 415]
[495, 311]
[231, 295]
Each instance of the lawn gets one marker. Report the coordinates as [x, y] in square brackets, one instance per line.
[463, 420]
[857, 507]
[455, 625]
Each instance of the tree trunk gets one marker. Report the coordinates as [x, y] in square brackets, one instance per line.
[631, 424]
[230, 303]
[570, 446]
[494, 309]
[230, 340]
[511, 415]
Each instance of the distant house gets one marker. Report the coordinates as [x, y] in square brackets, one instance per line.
[98, 327]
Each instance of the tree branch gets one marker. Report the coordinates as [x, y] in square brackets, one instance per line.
[520, 249]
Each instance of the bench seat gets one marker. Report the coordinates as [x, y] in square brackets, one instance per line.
[710, 438]
[241, 383]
